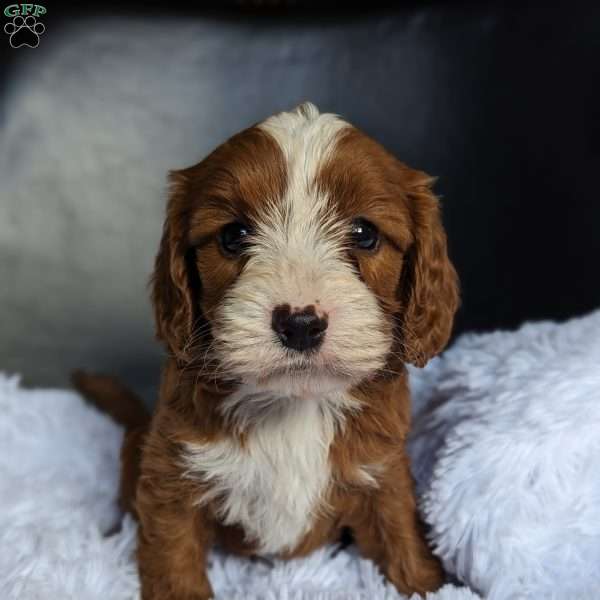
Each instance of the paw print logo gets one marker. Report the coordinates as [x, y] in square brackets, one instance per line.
[24, 31]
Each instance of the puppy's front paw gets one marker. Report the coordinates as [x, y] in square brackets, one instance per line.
[426, 576]
[161, 591]
[168, 595]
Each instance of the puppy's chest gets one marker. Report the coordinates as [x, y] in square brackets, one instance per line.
[274, 484]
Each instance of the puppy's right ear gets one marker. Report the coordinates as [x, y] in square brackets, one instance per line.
[172, 294]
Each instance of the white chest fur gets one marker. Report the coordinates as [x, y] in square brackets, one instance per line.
[273, 485]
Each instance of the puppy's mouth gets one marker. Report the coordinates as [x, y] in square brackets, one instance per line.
[303, 379]
[322, 370]
[295, 370]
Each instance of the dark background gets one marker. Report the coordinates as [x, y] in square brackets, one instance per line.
[500, 100]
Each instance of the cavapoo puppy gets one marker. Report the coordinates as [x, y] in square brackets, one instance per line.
[301, 267]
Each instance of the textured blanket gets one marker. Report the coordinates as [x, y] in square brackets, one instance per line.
[506, 453]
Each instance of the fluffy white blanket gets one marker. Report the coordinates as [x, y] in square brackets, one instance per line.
[506, 453]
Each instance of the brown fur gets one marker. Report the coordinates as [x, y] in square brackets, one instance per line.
[416, 286]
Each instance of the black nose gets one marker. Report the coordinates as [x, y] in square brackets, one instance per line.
[300, 330]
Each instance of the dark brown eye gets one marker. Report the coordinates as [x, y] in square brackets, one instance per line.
[364, 234]
[234, 237]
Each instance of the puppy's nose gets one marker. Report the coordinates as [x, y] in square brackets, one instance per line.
[300, 330]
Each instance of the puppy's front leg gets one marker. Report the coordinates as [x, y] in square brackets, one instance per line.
[173, 541]
[389, 533]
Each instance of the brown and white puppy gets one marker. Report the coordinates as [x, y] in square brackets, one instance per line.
[301, 267]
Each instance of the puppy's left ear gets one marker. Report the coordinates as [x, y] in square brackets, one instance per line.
[429, 289]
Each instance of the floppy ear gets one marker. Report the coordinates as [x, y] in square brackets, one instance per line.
[429, 287]
[172, 294]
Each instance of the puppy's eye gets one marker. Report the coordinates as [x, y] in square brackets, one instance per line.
[364, 234]
[233, 238]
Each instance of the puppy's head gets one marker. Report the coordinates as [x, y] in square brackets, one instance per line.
[300, 256]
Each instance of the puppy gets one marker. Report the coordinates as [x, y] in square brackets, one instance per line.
[301, 267]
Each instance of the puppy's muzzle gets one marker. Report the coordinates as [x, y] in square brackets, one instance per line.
[302, 330]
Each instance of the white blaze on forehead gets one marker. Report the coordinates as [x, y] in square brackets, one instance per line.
[298, 229]
[307, 140]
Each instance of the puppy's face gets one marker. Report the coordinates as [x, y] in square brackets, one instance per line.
[300, 257]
